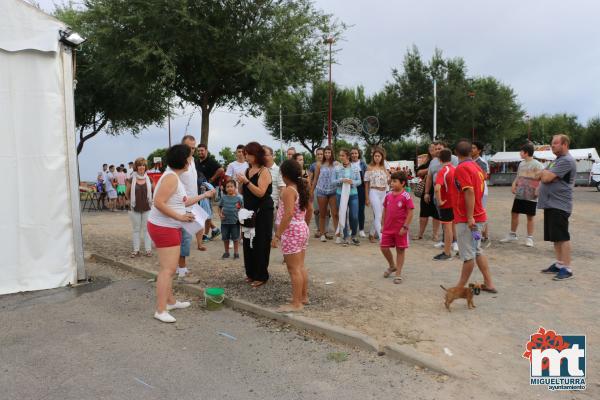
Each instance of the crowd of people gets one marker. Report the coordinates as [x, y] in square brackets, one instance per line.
[267, 206]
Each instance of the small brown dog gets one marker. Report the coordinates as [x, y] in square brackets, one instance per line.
[462, 293]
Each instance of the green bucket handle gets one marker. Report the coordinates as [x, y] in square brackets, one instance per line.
[213, 298]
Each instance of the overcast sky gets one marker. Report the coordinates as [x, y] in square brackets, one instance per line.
[545, 50]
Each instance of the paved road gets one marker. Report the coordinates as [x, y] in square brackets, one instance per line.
[99, 342]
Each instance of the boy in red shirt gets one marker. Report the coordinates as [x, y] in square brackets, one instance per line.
[397, 215]
[445, 195]
[470, 216]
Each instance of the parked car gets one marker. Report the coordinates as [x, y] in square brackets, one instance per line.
[595, 176]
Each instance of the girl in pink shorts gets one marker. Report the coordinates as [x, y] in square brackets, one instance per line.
[293, 216]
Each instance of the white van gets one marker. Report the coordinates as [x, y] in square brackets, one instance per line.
[595, 176]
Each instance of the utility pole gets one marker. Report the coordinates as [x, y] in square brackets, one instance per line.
[434, 109]
[329, 41]
[281, 134]
[169, 123]
[472, 96]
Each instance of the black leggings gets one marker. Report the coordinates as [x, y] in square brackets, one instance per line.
[361, 207]
[256, 259]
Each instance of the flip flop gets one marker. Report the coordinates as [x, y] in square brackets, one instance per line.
[288, 310]
[486, 289]
[388, 272]
[257, 284]
[398, 280]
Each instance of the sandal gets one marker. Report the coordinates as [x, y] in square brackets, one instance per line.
[398, 280]
[257, 284]
[289, 309]
[134, 254]
[486, 289]
[148, 254]
[388, 272]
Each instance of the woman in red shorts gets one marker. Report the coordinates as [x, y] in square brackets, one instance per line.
[164, 226]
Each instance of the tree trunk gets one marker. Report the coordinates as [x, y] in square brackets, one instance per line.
[206, 108]
[83, 139]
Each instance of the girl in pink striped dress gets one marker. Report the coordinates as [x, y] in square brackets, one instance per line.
[293, 216]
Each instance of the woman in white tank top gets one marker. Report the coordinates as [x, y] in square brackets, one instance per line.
[164, 226]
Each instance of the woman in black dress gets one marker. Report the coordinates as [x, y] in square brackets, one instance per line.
[427, 209]
[256, 190]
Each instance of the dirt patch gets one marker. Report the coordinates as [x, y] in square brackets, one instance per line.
[347, 288]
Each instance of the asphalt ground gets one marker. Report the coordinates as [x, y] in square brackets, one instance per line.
[99, 341]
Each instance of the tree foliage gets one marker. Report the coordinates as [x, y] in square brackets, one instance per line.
[226, 53]
[227, 155]
[113, 93]
[305, 112]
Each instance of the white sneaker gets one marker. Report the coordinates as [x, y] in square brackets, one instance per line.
[338, 240]
[164, 317]
[362, 234]
[439, 245]
[509, 238]
[323, 238]
[178, 305]
[455, 247]
[529, 242]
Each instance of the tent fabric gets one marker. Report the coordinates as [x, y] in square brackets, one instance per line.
[36, 220]
[25, 27]
[513, 156]
[506, 156]
[578, 154]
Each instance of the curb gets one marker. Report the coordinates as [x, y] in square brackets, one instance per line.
[404, 353]
[408, 354]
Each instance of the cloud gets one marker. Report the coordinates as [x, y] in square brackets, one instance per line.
[544, 49]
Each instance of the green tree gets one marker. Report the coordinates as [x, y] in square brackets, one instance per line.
[227, 53]
[591, 137]
[227, 155]
[113, 93]
[463, 102]
[305, 113]
[544, 126]
[158, 153]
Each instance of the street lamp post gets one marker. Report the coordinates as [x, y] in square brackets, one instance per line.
[329, 41]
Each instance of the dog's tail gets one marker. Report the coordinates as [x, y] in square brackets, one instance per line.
[443, 288]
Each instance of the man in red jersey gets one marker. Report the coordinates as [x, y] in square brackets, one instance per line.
[470, 216]
[445, 195]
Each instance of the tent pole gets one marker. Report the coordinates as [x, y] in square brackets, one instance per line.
[72, 163]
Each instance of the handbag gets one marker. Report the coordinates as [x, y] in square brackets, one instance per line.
[420, 188]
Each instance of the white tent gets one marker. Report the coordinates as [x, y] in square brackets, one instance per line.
[546, 155]
[505, 157]
[40, 227]
[578, 154]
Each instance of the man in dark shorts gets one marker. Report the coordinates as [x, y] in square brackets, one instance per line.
[556, 199]
[445, 195]
[525, 187]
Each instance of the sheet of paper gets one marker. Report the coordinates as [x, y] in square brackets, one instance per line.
[200, 218]
[343, 208]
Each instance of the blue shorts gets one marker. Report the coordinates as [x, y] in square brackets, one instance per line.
[186, 243]
[230, 232]
[321, 193]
